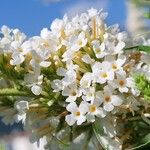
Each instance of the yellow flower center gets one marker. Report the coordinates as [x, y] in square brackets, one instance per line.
[114, 66]
[104, 75]
[121, 83]
[107, 98]
[77, 113]
[97, 50]
[80, 43]
[46, 44]
[92, 108]
[73, 93]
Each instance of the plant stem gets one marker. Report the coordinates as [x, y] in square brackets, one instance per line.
[14, 92]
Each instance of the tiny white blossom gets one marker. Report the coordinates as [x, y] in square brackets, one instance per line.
[17, 58]
[72, 92]
[109, 99]
[57, 85]
[87, 59]
[88, 94]
[116, 64]
[102, 72]
[45, 33]
[77, 113]
[78, 42]
[21, 107]
[122, 82]
[34, 81]
[95, 110]
[99, 49]
[36, 89]
[86, 80]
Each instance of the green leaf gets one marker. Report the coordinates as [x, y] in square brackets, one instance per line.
[143, 48]
[143, 84]
[147, 15]
[98, 135]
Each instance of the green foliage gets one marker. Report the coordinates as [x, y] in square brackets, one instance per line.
[147, 15]
[143, 84]
[141, 2]
[143, 48]
[2, 147]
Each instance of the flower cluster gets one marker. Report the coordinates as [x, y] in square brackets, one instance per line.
[76, 72]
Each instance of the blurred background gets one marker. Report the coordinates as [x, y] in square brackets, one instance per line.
[30, 16]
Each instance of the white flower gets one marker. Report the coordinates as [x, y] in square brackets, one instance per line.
[34, 81]
[87, 59]
[122, 82]
[92, 12]
[88, 94]
[21, 107]
[116, 64]
[111, 46]
[18, 36]
[77, 113]
[26, 47]
[39, 58]
[5, 40]
[49, 40]
[119, 47]
[78, 42]
[95, 110]
[45, 33]
[102, 72]
[99, 49]
[86, 80]
[72, 92]
[58, 26]
[5, 31]
[36, 89]
[17, 58]
[73, 44]
[69, 74]
[109, 100]
[68, 55]
[57, 85]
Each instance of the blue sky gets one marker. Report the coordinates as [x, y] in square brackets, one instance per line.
[30, 16]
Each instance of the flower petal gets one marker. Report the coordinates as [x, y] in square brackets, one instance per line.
[108, 107]
[36, 90]
[45, 64]
[116, 100]
[72, 107]
[83, 107]
[70, 119]
[81, 119]
[71, 99]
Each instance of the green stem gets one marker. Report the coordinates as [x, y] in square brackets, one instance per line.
[14, 92]
[132, 47]
[140, 146]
